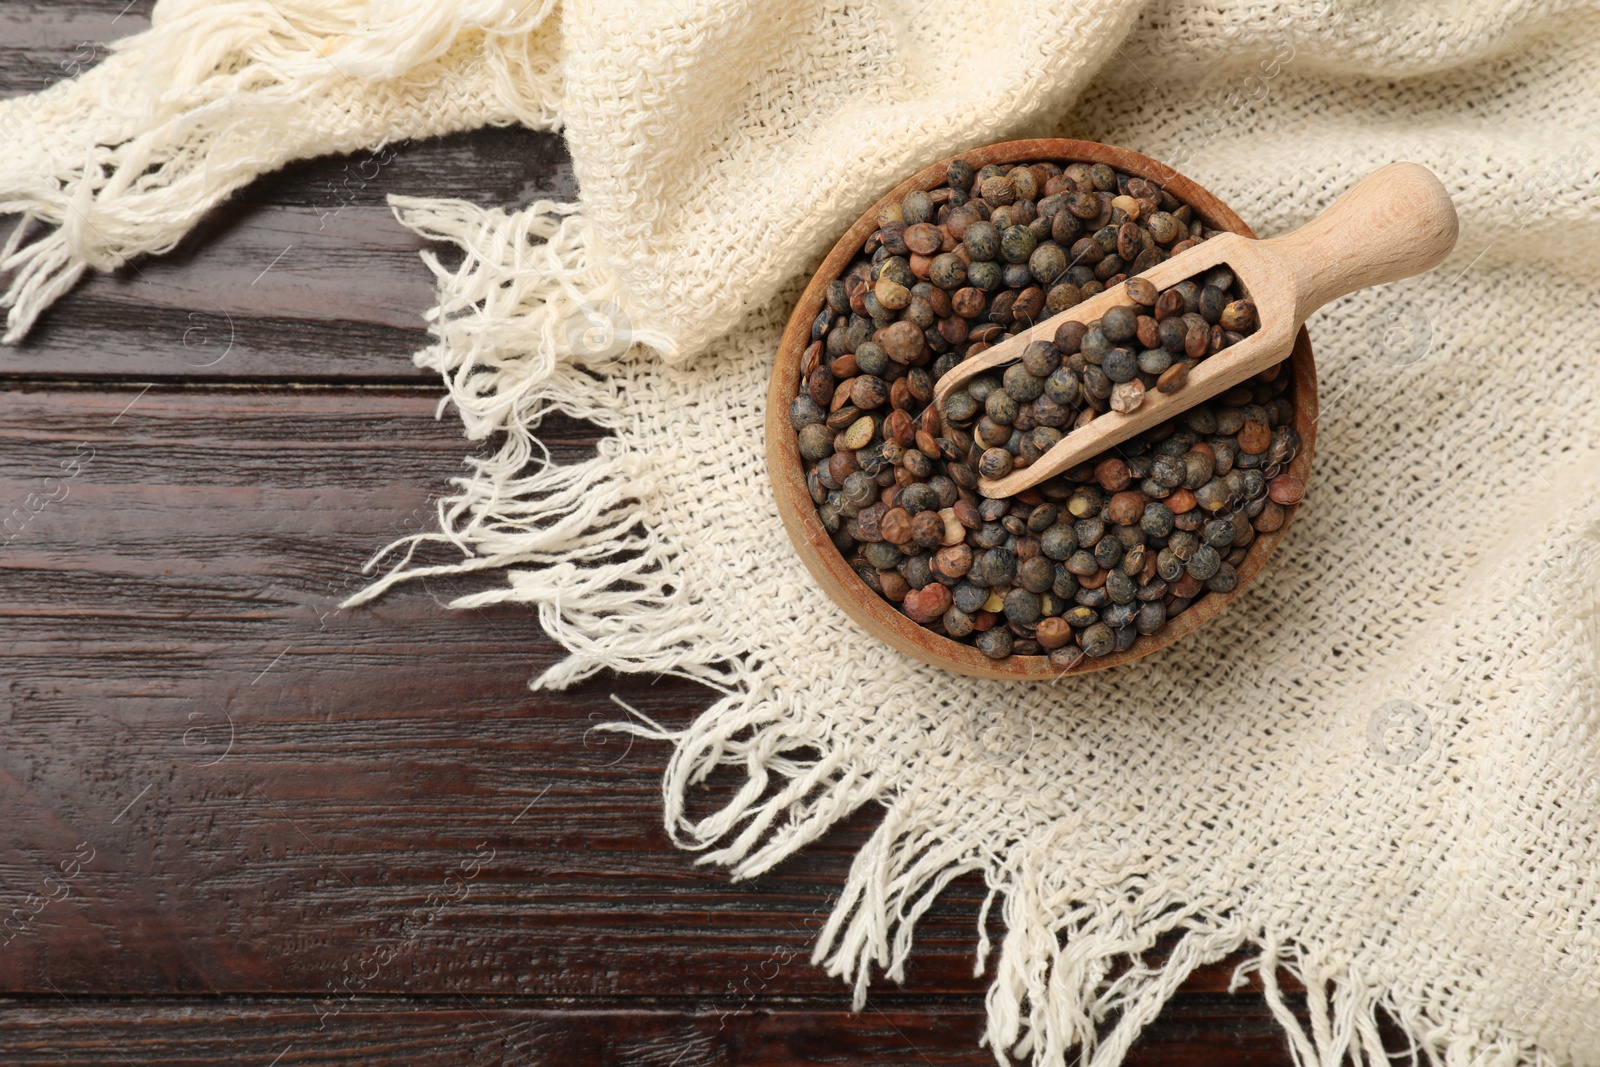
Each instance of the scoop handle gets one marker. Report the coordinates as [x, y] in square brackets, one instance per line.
[1396, 222]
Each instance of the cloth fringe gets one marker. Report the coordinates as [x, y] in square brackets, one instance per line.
[532, 322]
[122, 161]
[526, 325]
[1071, 983]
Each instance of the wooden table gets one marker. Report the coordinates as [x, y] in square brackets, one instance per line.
[244, 826]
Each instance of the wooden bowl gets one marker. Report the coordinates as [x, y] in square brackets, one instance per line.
[799, 514]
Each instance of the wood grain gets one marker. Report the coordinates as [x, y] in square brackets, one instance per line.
[184, 592]
[236, 813]
[407, 1032]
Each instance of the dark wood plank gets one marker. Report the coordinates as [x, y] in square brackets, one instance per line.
[182, 589]
[1209, 1032]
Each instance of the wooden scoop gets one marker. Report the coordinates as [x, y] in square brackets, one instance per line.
[1396, 222]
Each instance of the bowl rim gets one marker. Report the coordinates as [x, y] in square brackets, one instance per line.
[795, 507]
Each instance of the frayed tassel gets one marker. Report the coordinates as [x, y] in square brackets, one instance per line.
[531, 322]
[122, 161]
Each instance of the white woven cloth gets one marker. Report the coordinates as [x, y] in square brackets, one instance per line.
[1378, 771]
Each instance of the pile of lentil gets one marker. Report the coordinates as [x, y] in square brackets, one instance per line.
[1086, 563]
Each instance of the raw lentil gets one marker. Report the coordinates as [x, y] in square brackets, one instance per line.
[1106, 555]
